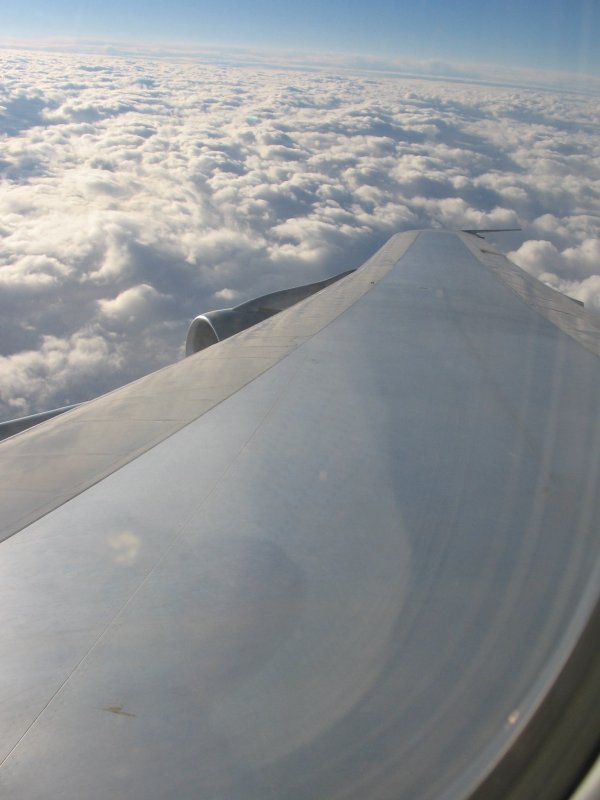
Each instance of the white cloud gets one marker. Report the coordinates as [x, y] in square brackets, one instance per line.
[537, 257]
[139, 192]
[55, 369]
[228, 295]
[571, 265]
[133, 306]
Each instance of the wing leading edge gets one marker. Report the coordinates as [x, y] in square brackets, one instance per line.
[350, 552]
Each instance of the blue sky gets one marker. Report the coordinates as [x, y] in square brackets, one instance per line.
[550, 34]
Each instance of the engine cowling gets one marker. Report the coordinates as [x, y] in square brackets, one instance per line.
[214, 326]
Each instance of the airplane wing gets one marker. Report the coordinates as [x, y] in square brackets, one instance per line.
[351, 552]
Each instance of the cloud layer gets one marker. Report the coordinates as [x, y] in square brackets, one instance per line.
[138, 192]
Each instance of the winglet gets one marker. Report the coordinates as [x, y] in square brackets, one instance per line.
[478, 231]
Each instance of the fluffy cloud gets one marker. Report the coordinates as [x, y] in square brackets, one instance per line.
[133, 306]
[139, 192]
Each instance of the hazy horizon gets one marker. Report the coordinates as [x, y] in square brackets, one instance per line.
[561, 36]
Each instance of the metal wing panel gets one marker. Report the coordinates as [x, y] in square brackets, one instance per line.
[357, 576]
[564, 312]
[68, 454]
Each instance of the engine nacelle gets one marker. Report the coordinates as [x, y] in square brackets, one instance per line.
[214, 326]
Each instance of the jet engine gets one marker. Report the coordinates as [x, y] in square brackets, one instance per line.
[214, 326]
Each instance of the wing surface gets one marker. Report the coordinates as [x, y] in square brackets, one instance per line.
[351, 552]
